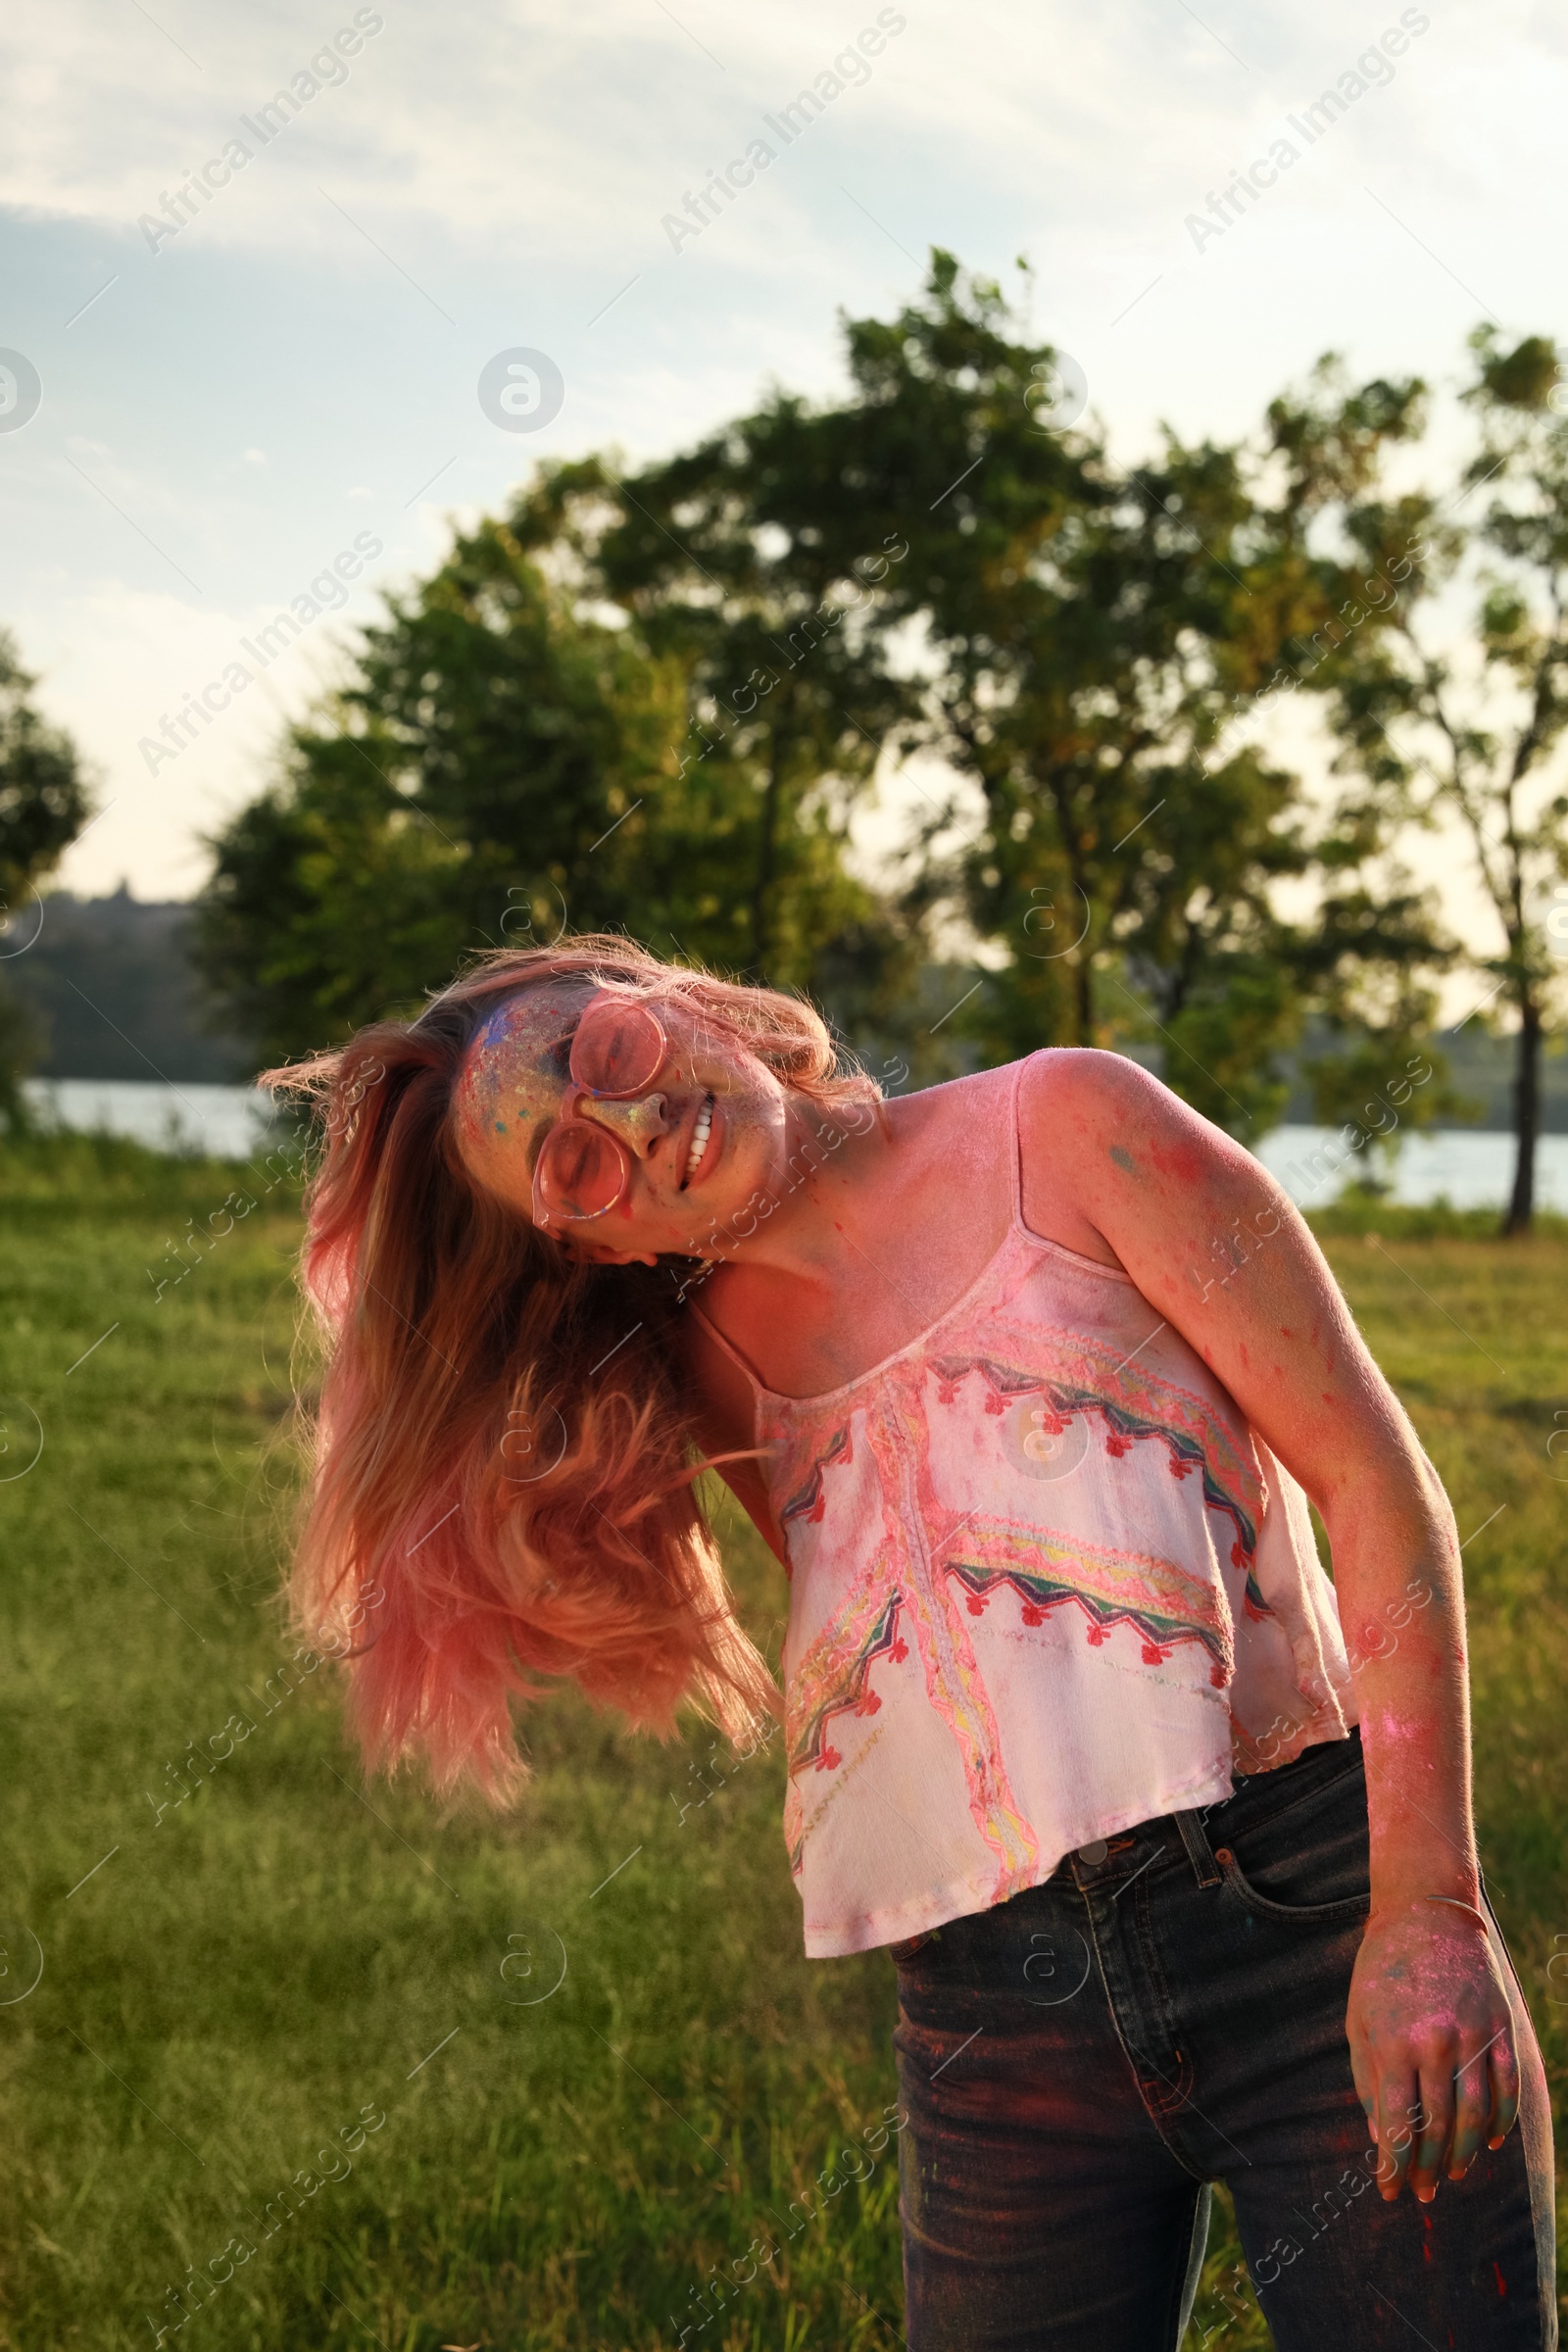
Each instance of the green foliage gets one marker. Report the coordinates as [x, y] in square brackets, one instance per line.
[43, 805]
[1378, 1086]
[43, 797]
[1524, 379]
[1466, 734]
[1102, 643]
[510, 760]
[658, 700]
[1089, 644]
[1367, 962]
[1224, 1038]
[20, 1042]
[789, 695]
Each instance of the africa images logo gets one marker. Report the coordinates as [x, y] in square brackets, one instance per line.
[1373, 70]
[326, 70]
[327, 593]
[21, 391]
[849, 71]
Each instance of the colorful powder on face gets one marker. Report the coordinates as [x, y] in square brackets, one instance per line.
[512, 1085]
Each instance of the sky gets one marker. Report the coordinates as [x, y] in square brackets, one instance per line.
[311, 373]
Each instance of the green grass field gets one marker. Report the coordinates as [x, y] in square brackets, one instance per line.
[279, 1979]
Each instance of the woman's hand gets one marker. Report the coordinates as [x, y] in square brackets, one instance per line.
[1432, 2044]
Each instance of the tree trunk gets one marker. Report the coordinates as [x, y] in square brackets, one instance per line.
[1526, 1114]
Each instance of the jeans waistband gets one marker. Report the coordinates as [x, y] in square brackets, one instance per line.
[1194, 1834]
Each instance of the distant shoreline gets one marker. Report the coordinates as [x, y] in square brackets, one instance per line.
[1470, 1166]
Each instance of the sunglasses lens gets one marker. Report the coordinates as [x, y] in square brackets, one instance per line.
[618, 1050]
[581, 1170]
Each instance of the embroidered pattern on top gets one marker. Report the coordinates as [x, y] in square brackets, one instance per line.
[894, 1581]
[1161, 1603]
[809, 1500]
[833, 1678]
[1144, 1407]
[955, 1684]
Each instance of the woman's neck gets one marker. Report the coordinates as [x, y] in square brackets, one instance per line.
[797, 1227]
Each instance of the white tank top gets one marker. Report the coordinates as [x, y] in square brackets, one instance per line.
[1046, 1583]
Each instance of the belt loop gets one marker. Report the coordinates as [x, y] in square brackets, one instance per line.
[1195, 1838]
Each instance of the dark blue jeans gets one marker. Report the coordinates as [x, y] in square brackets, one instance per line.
[1079, 2064]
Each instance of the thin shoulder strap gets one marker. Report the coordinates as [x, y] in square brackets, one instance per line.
[729, 1346]
[1016, 1122]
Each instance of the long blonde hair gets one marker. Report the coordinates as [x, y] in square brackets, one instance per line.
[490, 1497]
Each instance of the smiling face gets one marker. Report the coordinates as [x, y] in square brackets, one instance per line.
[714, 1126]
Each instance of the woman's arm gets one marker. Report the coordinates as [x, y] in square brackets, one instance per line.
[1215, 1247]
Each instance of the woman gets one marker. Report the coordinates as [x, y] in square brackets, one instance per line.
[1026, 1381]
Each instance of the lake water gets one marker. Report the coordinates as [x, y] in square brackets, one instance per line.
[225, 1122]
[1473, 1167]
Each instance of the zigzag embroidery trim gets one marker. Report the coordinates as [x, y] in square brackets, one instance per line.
[844, 1686]
[809, 1500]
[1154, 1612]
[1161, 1630]
[1124, 1426]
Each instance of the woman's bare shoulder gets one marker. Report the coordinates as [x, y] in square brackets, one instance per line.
[1085, 1111]
[953, 1093]
[1068, 1080]
[1074, 1105]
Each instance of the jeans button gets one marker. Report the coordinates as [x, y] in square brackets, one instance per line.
[1095, 1851]
[1223, 1856]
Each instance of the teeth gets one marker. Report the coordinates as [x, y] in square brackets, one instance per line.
[700, 1135]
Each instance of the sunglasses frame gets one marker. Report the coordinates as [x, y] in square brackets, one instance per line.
[542, 1217]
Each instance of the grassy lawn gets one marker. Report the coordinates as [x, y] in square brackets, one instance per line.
[534, 2080]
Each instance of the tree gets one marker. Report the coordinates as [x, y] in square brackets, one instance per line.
[659, 699]
[1465, 733]
[509, 757]
[789, 694]
[43, 805]
[1095, 644]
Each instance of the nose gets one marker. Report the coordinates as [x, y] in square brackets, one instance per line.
[639, 1123]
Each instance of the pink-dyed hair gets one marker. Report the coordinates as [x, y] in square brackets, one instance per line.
[462, 1355]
